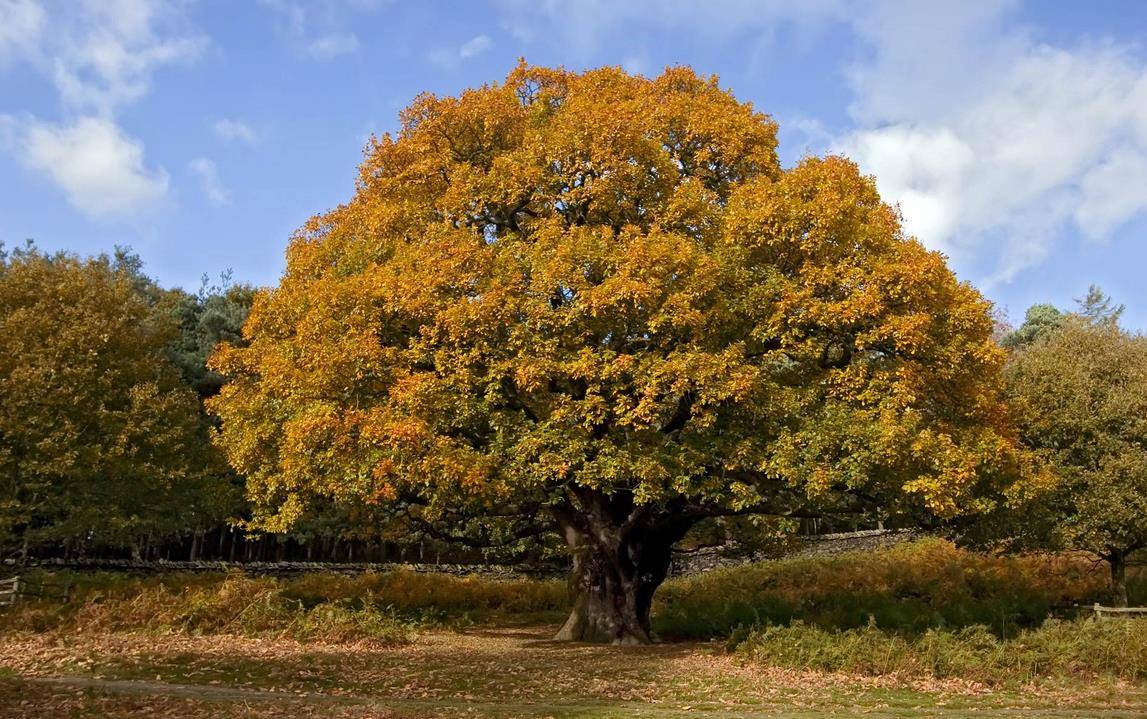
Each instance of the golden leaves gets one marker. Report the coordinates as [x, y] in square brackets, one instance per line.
[609, 280]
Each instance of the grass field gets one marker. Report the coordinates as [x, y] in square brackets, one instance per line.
[918, 631]
[481, 672]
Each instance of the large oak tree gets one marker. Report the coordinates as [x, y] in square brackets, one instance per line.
[598, 300]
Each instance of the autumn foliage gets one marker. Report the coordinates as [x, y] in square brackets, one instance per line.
[597, 301]
[101, 441]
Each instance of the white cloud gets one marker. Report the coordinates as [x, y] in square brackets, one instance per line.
[994, 144]
[330, 46]
[1112, 193]
[101, 54]
[100, 169]
[235, 130]
[475, 46]
[452, 58]
[329, 41]
[21, 22]
[919, 168]
[208, 174]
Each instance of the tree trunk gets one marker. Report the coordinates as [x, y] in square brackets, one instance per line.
[1118, 561]
[621, 554]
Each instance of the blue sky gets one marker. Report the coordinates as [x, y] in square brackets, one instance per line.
[1013, 135]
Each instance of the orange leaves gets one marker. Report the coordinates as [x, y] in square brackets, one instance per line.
[608, 280]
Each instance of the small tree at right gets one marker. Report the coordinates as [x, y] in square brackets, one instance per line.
[1079, 395]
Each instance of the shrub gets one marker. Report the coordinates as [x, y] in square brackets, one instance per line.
[232, 604]
[380, 607]
[1079, 648]
[914, 586]
[436, 596]
[909, 588]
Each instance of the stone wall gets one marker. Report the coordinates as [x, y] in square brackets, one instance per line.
[705, 559]
[489, 571]
[693, 562]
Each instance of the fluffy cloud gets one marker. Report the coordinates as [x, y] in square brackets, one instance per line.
[208, 174]
[920, 168]
[235, 130]
[452, 58]
[475, 46]
[99, 55]
[21, 22]
[993, 144]
[328, 41]
[100, 169]
[1112, 193]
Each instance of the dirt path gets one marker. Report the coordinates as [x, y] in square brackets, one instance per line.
[483, 673]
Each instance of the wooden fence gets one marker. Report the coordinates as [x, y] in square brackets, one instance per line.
[18, 589]
[9, 591]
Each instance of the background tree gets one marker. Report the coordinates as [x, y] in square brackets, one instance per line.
[215, 314]
[596, 302]
[1097, 308]
[1079, 395]
[1038, 321]
[100, 441]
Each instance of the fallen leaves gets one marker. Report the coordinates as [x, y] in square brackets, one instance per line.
[506, 672]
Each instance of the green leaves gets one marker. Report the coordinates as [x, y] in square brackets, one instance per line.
[1080, 399]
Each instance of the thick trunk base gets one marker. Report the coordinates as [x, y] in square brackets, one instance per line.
[621, 554]
[1118, 561]
[594, 620]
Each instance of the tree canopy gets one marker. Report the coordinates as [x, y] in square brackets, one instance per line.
[598, 301]
[100, 440]
[215, 314]
[1080, 401]
[1038, 321]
